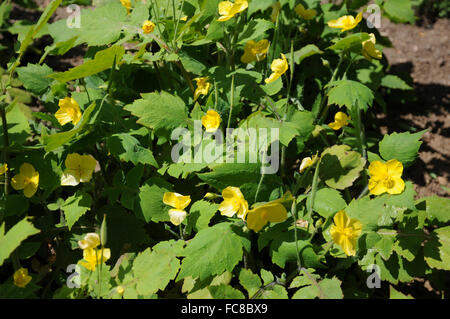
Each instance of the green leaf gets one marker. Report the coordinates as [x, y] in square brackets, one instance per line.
[99, 281]
[267, 276]
[305, 52]
[225, 292]
[18, 128]
[151, 200]
[244, 176]
[403, 147]
[394, 82]
[275, 292]
[284, 249]
[327, 202]
[33, 77]
[101, 26]
[150, 113]
[200, 214]
[385, 245]
[351, 94]
[325, 289]
[437, 249]
[370, 212]
[249, 281]
[102, 61]
[45, 16]
[254, 30]
[12, 239]
[129, 149]
[76, 206]
[56, 140]
[154, 269]
[340, 167]
[438, 208]
[212, 251]
[14, 205]
[399, 10]
[352, 42]
[395, 294]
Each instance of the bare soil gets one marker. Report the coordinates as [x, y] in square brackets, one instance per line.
[424, 54]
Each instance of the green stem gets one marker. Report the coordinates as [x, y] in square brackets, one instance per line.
[181, 232]
[312, 195]
[324, 99]
[295, 216]
[360, 136]
[232, 101]
[6, 146]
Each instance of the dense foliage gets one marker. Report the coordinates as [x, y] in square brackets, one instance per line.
[94, 205]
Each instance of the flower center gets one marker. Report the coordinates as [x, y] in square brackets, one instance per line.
[388, 182]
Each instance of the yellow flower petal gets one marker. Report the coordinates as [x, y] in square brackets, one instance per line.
[148, 26]
[394, 168]
[345, 23]
[176, 200]
[278, 67]
[211, 121]
[69, 111]
[18, 182]
[91, 240]
[27, 179]
[21, 277]
[255, 51]
[270, 212]
[79, 168]
[233, 202]
[306, 14]
[345, 232]
[3, 169]
[398, 186]
[30, 189]
[203, 87]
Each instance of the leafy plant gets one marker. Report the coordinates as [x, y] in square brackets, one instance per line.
[107, 196]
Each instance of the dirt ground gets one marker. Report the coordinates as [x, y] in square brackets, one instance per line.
[424, 53]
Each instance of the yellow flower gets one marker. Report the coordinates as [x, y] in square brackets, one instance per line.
[306, 14]
[93, 257]
[27, 179]
[3, 169]
[255, 51]
[270, 212]
[278, 67]
[184, 18]
[386, 177]
[21, 278]
[340, 119]
[69, 111]
[120, 290]
[79, 169]
[368, 48]
[148, 27]
[346, 22]
[228, 9]
[276, 7]
[91, 240]
[211, 121]
[345, 232]
[307, 162]
[203, 87]
[126, 4]
[233, 203]
[179, 203]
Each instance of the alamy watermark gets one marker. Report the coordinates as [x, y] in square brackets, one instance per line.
[240, 145]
